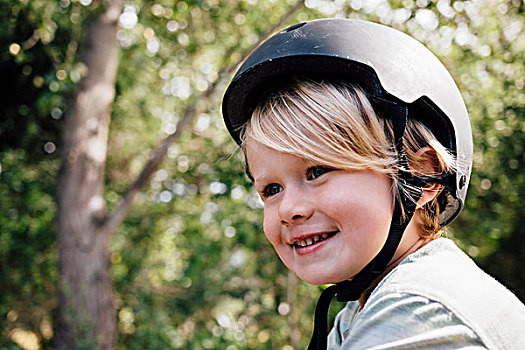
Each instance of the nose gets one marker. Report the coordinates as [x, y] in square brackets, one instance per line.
[295, 206]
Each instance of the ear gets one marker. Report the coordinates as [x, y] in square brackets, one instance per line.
[430, 191]
[427, 163]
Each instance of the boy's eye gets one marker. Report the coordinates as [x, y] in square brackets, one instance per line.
[271, 190]
[316, 171]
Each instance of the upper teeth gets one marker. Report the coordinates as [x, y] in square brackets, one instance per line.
[310, 240]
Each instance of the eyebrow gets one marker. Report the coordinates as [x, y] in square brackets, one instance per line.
[259, 180]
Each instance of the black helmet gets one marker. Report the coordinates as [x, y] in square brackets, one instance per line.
[399, 75]
[384, 62]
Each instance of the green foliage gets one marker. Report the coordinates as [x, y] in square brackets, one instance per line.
[27, 241]
[191, 266]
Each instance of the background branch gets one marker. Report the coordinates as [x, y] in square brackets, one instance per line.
[158, 155]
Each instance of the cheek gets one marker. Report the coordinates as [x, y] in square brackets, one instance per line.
[366, 206]
[271, 226]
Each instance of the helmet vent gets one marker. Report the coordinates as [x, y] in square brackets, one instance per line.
[294, 27]
[462, 181]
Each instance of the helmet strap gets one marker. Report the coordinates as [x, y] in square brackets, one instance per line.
[410, 190]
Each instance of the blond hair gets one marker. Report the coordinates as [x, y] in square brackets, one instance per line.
[334, 124]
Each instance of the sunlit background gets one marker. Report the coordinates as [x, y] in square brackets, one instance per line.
[190, 264]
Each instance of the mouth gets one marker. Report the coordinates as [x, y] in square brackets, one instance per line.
[313, 239]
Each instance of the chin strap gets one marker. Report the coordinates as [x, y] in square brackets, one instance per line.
[410, 190]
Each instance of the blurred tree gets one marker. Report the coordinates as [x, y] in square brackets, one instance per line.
[86, 314]
[189, 264]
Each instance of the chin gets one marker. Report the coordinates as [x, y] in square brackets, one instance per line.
[317, 280]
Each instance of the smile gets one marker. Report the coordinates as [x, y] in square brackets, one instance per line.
[300, 243]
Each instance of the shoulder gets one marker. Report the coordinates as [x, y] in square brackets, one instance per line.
[437, 298]
[407, 321]
[440, 276]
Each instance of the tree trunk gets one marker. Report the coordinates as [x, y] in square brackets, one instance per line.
[86, 314]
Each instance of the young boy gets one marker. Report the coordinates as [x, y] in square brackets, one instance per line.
[359, 143]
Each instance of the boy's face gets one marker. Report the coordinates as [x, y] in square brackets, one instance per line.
[325, 224]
